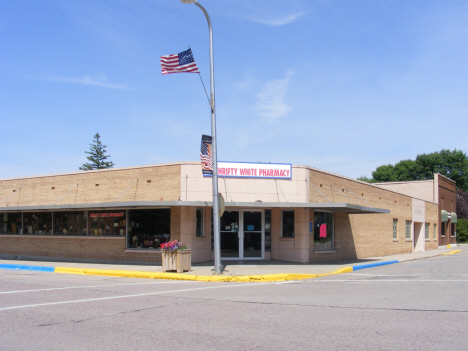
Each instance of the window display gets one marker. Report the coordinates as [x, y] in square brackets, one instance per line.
[200, 231]
[70, 223]
[267, 230]
[10, 223]
[323, 231]
[288, 224]
[148, 229]
[37, 223]
[107, 222]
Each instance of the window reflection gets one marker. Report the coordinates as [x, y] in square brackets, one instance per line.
[323, 231]
[107, 222]
[70, 223]
[38, 223]
[148, 229]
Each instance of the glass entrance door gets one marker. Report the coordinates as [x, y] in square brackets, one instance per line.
[252, 234]
[230, 234]
[242, 235]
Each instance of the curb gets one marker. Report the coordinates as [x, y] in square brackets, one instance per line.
[174, 276]
[27, 268]
[215, 278]
[370, 265]
[451, 253]
[203, 278]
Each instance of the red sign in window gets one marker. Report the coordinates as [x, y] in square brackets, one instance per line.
[106, 214]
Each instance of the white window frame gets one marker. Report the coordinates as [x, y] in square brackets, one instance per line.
[409, 225]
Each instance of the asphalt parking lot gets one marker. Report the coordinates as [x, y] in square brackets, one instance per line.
[418, 305]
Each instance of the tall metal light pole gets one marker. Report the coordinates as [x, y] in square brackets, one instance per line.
[216, 230]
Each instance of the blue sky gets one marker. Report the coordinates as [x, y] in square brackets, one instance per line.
[342, 85]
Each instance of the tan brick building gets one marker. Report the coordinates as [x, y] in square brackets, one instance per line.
[441, 190]
[124, 214]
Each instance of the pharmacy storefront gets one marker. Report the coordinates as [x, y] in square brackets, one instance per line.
[271, 212]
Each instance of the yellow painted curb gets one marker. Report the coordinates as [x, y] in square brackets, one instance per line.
[339, 271]
[451, 252]
[214, 278]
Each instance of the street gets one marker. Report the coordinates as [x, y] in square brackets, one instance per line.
[414, 305]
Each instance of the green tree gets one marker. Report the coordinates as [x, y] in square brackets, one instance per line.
[462, 204]
[452, 164]
[384, 173]
[462, 230]
[97, 156]
[366, 179]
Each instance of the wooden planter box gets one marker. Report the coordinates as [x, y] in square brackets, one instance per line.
[179, 260]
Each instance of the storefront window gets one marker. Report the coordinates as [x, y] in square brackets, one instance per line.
[267, 230]
[200, 232]
[288, 224]
[10, 223]
[148, 229]
[107, 222]
[212, 231]
[39, 223]
[70, 223]
[323, 231]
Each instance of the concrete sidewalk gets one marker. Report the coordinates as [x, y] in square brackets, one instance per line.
[232, 270]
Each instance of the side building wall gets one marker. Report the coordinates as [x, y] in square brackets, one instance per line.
[354, 235]
[83, 248]
[365, 235]
[447, 202]
[150, 183]
[421, 189]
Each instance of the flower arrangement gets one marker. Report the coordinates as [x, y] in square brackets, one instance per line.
[171, 246]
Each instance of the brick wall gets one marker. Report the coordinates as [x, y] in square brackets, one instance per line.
[94, 248]
[201, 246]
[155, 183]
[364, 235]
[447, 202]
[71, 248]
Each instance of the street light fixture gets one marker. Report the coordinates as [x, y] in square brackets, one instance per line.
[216, 228]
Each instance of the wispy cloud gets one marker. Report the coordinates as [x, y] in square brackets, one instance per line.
[99, 80]
[277, 20]
[270, 102]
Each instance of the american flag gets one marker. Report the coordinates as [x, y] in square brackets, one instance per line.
[205, 153]
[182, 62]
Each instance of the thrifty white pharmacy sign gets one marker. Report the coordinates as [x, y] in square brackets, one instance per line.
[254, 170]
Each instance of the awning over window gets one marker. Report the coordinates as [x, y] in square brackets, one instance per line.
[333, 207]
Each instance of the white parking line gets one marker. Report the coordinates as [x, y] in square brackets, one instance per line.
[387, 281]
[407, 275]
[93, 286]
[128, 296]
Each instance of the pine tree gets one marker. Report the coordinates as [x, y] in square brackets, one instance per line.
[97, 156]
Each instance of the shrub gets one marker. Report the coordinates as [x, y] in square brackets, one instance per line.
[462, 230]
